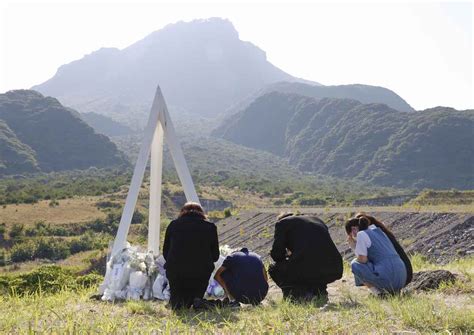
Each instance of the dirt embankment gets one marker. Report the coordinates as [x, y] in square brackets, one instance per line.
[441, 237]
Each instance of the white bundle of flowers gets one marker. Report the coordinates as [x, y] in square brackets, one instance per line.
[129, 275]
[132, 274]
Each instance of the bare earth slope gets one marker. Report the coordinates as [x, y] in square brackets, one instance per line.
[441, 237]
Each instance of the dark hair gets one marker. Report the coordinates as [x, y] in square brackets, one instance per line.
[360, 222]
[284, 215]
[367, 220]
[376, 223]
[192, 208]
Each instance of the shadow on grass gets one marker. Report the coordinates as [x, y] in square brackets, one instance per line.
[345, 304]
[214, 315]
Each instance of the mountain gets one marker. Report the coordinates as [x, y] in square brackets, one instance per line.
[14, 155]
[362, 93]
[202, 67]
[38, 133]
[372, 142]
[105, 125]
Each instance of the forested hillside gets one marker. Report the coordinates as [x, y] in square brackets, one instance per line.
[373, 142]
[105, 125]
[359, 92]
[14, 155]
[38, 133]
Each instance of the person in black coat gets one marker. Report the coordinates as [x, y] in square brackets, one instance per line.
[190, 249]
[306, 258]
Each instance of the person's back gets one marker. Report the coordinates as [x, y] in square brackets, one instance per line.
[190, 249]
[244, 276]
[191, 246]
[313, 253]
[386, 260]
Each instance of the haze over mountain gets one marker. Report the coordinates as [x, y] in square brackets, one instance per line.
[362, 93]
[373, 142]
[202, 67]
[105, 125]
[37, 133]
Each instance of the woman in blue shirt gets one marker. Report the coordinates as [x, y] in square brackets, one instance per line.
[378, 264]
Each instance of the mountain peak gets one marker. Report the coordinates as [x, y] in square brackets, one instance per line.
[202, 67]
[210, 27]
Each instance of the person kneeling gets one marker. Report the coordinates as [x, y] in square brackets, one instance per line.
[378, 265]
[190, 249]
[306, 258]
[243, 277]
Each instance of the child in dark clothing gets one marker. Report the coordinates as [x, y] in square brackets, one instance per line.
[243, 277]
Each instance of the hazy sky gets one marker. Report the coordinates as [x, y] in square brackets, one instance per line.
[421, 51]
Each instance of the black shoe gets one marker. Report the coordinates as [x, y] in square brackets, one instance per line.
[203, 304]
[229, 304]
[96, 297]
[234, 304]
[200, 304]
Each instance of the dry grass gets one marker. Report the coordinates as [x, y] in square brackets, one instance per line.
[75, 210]
[239, 198]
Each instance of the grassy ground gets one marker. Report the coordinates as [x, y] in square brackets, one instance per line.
[74, 210]
[453, 197]
[449, 309]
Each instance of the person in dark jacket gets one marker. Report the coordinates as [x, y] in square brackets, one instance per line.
[306, 258]
[190, 249]
[243, 277]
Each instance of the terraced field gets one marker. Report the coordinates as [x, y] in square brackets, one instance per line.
[441, 237]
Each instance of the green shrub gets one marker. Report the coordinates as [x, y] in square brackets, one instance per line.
[108, 225]
[53, 249]
[45, 279]
[3, 257]
[40, 229]
[89, 280]
[43, 229]
[138, 217]
[227, 213]
[107, 204]
[308, 201]
[3, 230]
[22, 252]
[61, 185]
[17, 231]
[86, 242]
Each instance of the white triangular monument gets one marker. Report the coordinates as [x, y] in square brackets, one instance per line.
[159, 127]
